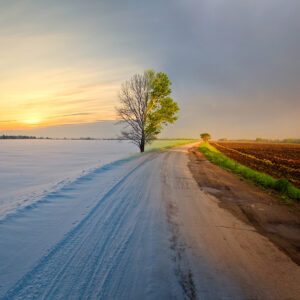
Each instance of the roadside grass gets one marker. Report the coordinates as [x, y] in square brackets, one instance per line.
[167, 144]
[282, 185]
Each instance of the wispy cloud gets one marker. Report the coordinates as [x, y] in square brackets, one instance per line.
[77, 114]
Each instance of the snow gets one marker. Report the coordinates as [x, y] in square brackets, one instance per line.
[84, 239]
[30, 169]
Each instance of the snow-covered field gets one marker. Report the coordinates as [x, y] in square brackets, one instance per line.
[30, 169]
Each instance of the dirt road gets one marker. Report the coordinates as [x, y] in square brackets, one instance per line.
[153, 234]
[229, 246]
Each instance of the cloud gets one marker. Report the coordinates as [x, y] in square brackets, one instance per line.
[76, 114]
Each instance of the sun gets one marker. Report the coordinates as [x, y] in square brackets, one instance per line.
[32, 121]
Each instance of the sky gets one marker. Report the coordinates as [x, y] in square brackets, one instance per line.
[234, 65]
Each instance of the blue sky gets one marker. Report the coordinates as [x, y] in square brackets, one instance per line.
[235, 65]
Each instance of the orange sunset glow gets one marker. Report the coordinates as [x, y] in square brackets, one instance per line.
[34, 104]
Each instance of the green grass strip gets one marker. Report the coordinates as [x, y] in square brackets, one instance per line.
[167, 144]
[282, 185]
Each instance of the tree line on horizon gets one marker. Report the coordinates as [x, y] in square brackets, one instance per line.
[15, 137]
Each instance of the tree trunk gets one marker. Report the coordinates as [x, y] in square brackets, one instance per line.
[142, 145]
[142, 148]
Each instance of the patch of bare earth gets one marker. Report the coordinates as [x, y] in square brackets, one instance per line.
[278, 222]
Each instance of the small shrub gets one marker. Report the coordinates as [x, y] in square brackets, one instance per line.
[293, 192]
[282, 185]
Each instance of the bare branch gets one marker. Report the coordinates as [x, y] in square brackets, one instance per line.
[134, 96]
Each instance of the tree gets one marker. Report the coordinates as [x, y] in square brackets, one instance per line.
[146, 107]
[205, 137]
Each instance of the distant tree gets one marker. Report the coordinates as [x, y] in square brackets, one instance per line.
[205, 137]
[146, 107]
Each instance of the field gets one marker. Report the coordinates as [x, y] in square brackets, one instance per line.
[277, 160]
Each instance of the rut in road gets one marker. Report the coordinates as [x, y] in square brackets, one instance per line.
[178, 247]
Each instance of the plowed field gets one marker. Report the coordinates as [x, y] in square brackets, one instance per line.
[277, 160]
